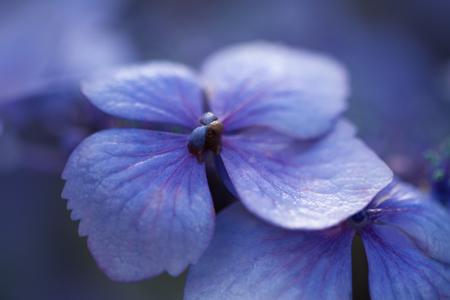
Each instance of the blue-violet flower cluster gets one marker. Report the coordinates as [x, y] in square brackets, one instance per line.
[273, 115]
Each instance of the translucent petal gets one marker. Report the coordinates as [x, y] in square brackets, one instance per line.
[304, 185]
[407, 246]
[250, 259]
[296, 92]
[153, 92]
[143, 202]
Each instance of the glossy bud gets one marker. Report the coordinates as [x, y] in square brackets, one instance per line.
[207, 118]
[208, 137]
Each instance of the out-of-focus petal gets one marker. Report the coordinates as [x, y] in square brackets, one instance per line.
[37, 57]
[26, 43]
[407, 246]
[250, 259]
[304, 185]
[143, 202]
[154, 92]
[296, 92]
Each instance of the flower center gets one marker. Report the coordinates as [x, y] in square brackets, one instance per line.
[360, 219]
[206, 137]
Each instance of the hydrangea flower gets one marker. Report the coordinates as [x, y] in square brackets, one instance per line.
[404, 233]
[272, 114]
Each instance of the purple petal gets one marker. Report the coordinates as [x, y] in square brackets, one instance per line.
[26, 44]
[250, 259]
[407, 246]
[143, 202]
[155, 92]
[304, 185]
[40, 56]
[296, 92]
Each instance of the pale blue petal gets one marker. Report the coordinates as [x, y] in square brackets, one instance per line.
[45, 47]
[26, 43]
[153, 92]
[250, 259]
[143, 202]
[304, 185]
[407, 246]
[296, 92]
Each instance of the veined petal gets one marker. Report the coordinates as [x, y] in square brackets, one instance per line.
[154, 92]
[304, 185]
[407, 246]
[143, 202]
[296, 92]
[250, 259]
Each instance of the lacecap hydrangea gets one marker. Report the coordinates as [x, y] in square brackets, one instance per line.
[272, 113]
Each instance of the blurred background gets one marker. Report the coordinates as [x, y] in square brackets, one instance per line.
[397, 52]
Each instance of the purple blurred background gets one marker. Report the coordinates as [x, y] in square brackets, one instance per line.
[397, 51]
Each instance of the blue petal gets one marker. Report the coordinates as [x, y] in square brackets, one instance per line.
[304, 185]
[26, 43]
[154, 92]
[295, 92]
[250, 259]
[407, 246]
[143, 202]
[38, 56]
